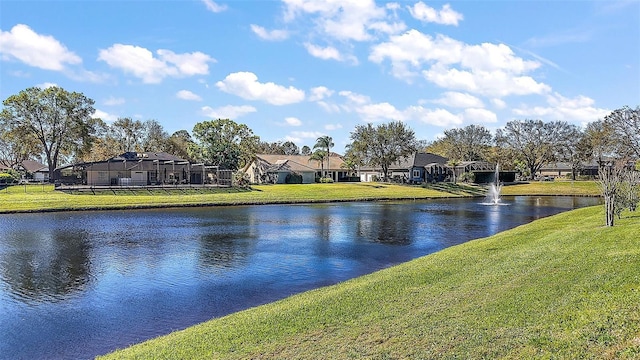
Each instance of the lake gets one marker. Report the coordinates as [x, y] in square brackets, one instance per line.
[78, 284]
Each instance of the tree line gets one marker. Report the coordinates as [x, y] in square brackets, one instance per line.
[58, 126]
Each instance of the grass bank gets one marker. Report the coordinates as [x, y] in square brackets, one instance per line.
[561, 287]
[45, 198]
[558, 187]
[31, 198]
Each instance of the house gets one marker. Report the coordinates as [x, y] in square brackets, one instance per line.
[416, 168]
[141, 169]
[34, 171]
[564, 169]
[290, 172]
[268, 168]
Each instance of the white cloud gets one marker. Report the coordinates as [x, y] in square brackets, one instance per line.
[324, 53]
[331, 127]
[459, 100]
[579, 109]
[425, 13]
[143, 64]
[292, 121]
[273, 35]
[476, 115]
[329, 107]
[46, 85]
[33, 49]
[319, 93]
[104, 116]
[113, 101]
[188, 95]
[246, 86]
[306, 134]
[437, 117]
[380, 112]
[342, 20]
[488, 83]
[214, 7]
[227, 112]
[498, 103]
[485, 69]
[357, 99]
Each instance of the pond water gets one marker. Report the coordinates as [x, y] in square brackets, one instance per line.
[79, 284]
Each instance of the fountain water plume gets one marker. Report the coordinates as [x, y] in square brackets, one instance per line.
[493, 195]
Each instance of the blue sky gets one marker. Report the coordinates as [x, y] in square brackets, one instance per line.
[299, 69]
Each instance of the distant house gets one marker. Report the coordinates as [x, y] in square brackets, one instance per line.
[140, 169]
[35, 171]
[271, 168]
[289, 171]
[416, 168]
[563, 169]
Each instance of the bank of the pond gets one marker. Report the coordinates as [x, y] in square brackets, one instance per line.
[43, 198]
[560, 287]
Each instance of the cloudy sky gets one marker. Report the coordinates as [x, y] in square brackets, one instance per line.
[299, 69]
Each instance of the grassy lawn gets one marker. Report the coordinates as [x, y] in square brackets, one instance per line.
[44, 198]
[39, 197]
[558, 187]
[561, 287]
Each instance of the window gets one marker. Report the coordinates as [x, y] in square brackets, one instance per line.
[416, 173]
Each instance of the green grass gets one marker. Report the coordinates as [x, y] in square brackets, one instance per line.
[561, 287]
[45, 198]
[558, 187]
[27, 198]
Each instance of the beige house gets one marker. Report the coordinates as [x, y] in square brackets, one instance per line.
[270, 168]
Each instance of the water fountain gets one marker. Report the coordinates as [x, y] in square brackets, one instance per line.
[493, 195]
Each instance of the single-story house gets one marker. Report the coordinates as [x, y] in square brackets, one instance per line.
[141, 169]
[416, 168]
[289, 172]
[33, 170]
[563, 169]
[263, 168]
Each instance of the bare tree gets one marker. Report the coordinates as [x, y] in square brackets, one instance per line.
[625, 123]
[610, 179]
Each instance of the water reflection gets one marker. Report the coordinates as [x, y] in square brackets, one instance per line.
[77, 285]
[45, 266]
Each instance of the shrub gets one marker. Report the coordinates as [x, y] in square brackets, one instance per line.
[293, 178]
[326, 180]
[467, 177]
[7, 178]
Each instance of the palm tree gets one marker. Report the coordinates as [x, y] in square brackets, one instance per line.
[319, 155]
[325, 142]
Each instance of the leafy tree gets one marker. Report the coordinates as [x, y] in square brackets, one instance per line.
[625, 124]
[382, 145]
[305, 150]
[154, 138]
[15, 149]
[179, 144]
[225, 143]
[567, 140]
[274, 148]
[325, 142]
[128, 133]
[290, 148]
[58, 119]
[533, 142]
[597, 142]
[471, 143]
[103, 145]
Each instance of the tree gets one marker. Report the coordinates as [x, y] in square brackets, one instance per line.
[58, 119]
[305, 150]
[533, 142]
[225, 143]
[153, 137]
[290, 148]
[319, 155]
[15, 149]
[625, 124]
[471, 143]
[610, 179]
[180, 144]
[382, 145]
[567, 138]
[128, 133]
[325, 142]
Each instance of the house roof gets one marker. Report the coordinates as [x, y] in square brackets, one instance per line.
[289, 166]
[414, 160]
[135, 156]
[33, 166]
[335, 161]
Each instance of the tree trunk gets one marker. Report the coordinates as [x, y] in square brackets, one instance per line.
[609, 204]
